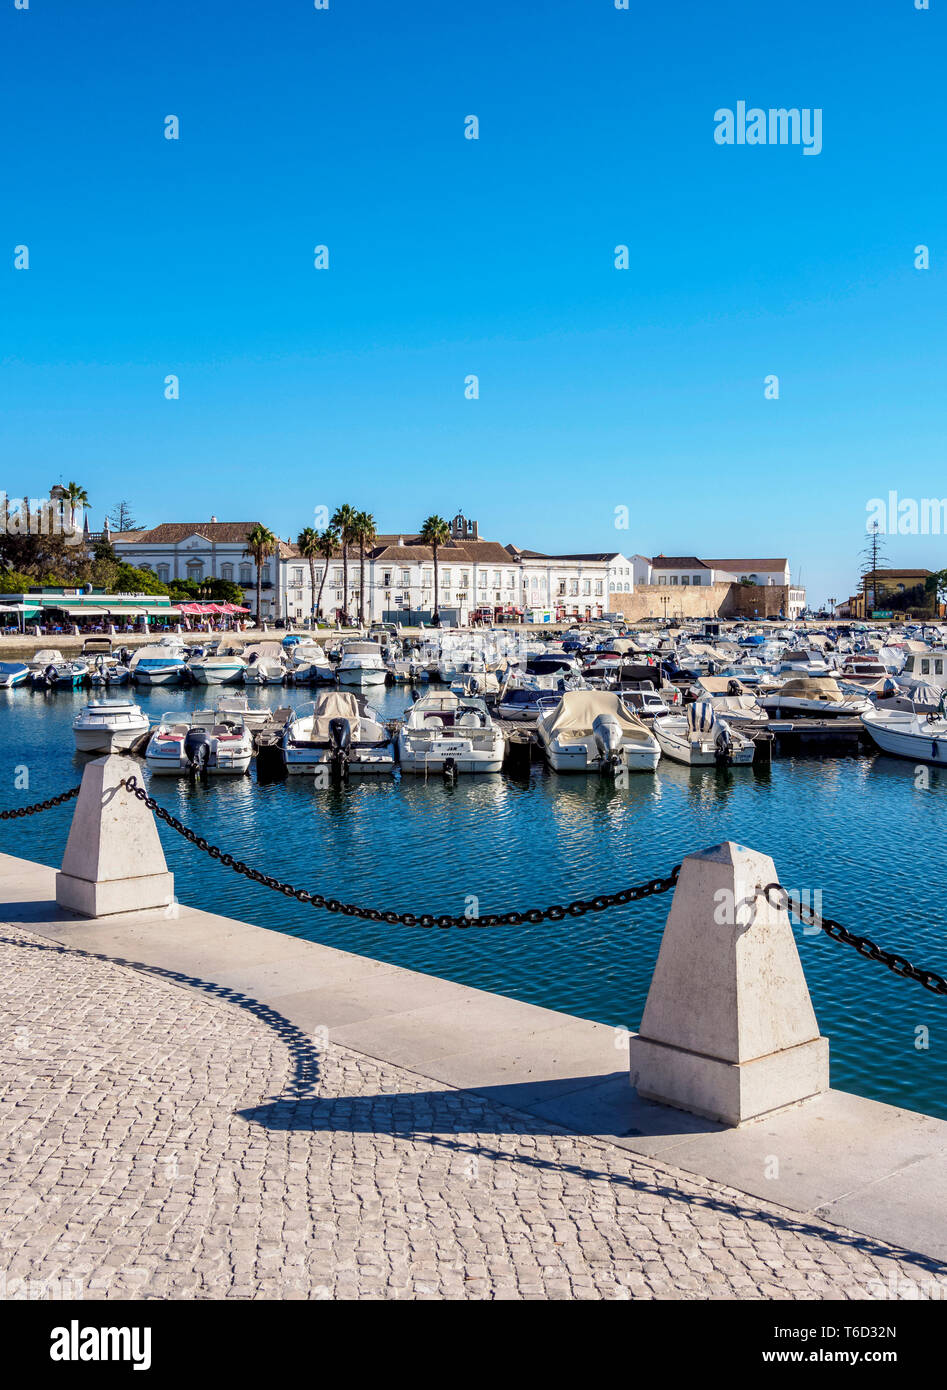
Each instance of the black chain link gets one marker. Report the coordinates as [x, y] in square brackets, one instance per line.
[59, 800]
[863, 944]
[532, 916]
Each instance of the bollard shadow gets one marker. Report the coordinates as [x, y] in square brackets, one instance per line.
[466, 1124]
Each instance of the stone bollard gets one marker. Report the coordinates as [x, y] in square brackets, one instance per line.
[728, 1030]
[113, 861]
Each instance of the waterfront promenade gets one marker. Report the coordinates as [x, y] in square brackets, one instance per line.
[196, 1107]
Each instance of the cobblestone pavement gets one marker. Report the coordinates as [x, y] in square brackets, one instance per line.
[159, 1142]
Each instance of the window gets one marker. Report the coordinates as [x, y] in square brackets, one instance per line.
[337, 575]
[246, 574]
[698, 579]
[164, 573]
[511, 581]
[297, 574]
[226, 572]
[586, 586]
[445, 577]
[195, 569]
[599, 588]
[405, 579]
[265, 576]
[386, 579]
[465, 578]
[611, 586]
[562, 588]
[939, 667]
[685, 579]
[426, 578]
[673, 578]
[496, 579]
[573, 588]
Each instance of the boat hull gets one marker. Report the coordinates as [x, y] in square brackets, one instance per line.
[106, 740]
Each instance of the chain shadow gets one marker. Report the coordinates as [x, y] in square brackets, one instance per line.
[435, 1117]
[440, 1118]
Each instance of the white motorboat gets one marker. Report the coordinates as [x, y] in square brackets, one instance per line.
[532, 696]
[13, 673]
[450, 733]
[594, 731]
[311, 665]
[266, 664]
[162, 663]
[701, 738]
[817, 696]
[740, 708]
[362, 664]
[337, 733]
[926, 667]
[108, 726]
[920, 737]
[199, 744]
[237, 709]
[105, 668]
[218, 668]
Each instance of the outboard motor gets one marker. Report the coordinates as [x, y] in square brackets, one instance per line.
[449, 770]
[734, 688]
[723, 745]
[197, 751]
[49, 676]
[340, 745]
[606, 731]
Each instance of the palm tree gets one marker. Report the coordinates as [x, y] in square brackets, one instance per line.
[308, 543]
[261, 544]
[344, 520]
[327, 543]
[364, 532]
[435, 532]
[76, 496]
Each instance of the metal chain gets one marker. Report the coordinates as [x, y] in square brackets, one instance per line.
[863, 944]
[533, 916]
[19, 811]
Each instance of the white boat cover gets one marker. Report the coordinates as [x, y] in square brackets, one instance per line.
[578, 710]
[335, 704]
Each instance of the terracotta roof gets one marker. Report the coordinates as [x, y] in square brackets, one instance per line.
[747, 566]
[678, 562]
[897, 574]
[173, 532]
[457, 552]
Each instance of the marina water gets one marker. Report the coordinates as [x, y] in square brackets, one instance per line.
[858, 830]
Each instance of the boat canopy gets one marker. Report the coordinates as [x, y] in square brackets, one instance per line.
[811, 687]
[577, 711]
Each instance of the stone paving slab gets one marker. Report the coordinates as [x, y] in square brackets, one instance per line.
[162, 1142]
[836, 1155]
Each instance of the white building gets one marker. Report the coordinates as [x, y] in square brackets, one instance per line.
[201, 550]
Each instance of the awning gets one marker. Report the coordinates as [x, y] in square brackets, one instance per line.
[30, 609]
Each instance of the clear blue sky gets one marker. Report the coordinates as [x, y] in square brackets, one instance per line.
[598, 388]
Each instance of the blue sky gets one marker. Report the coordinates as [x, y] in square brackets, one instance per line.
[599, 388]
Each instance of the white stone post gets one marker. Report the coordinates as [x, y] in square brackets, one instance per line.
[113, 861]
[728, 1030]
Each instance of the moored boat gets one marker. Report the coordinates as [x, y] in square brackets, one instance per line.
[701, 738]
[594, 731]
[108, 726]
[450, 733]
[337, 733]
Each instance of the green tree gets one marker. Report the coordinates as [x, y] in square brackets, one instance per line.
[327, 545]
[936, 586]
[308, 543]
[435, 532]
[131, 580]
[344, 521]
[261, 544]
[76, 496]
[364, 532]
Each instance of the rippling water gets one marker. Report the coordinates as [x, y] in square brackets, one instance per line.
[856, 829]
